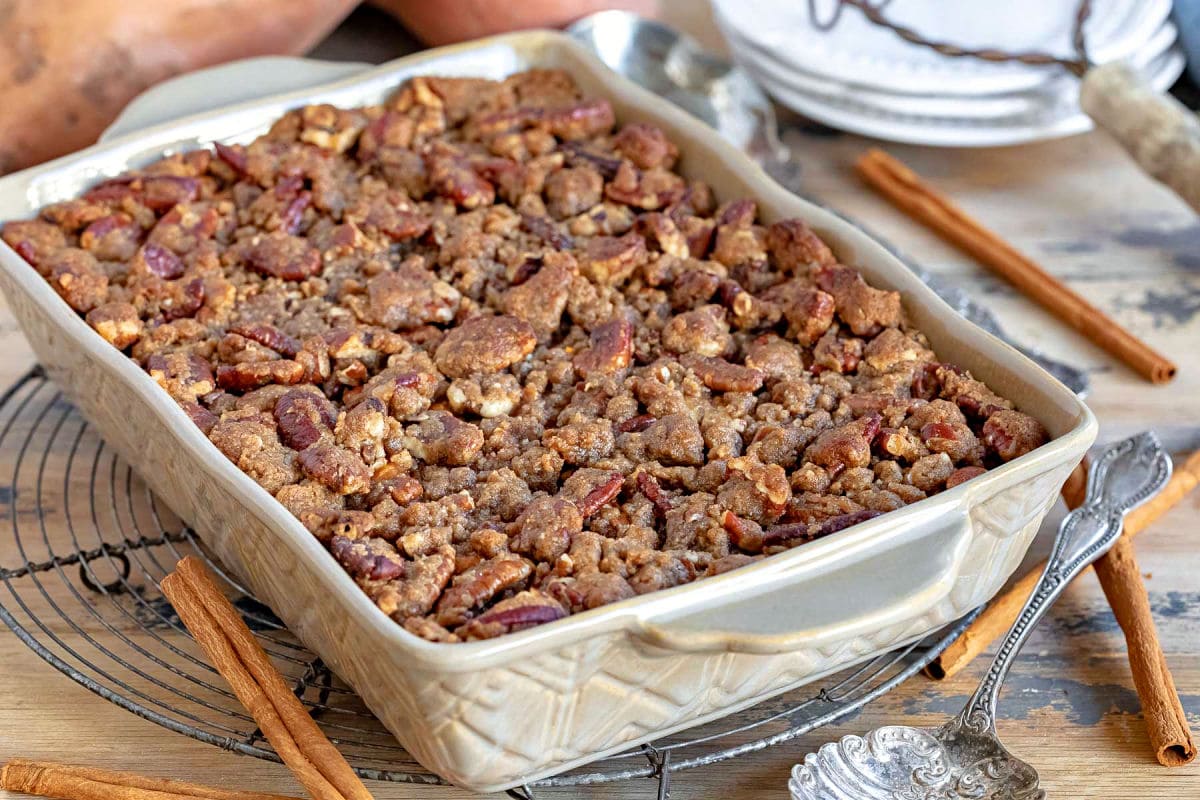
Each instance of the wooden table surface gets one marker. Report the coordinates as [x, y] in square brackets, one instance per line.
[1080, 208]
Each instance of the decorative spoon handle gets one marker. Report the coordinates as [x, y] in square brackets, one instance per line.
[1124, 476]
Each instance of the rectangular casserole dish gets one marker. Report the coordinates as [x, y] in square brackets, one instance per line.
[492, 714]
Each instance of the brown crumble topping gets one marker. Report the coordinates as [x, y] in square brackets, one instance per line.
[504, 361]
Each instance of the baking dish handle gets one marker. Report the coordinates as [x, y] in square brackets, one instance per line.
[223, 85]
[911, 568]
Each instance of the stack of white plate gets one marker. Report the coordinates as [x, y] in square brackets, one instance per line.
[866, 79]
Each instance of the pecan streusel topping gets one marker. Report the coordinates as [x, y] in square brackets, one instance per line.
[504, 361]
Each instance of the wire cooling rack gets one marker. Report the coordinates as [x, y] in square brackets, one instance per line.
[80, 574]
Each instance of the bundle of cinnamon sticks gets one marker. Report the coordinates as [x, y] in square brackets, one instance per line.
[236, 654]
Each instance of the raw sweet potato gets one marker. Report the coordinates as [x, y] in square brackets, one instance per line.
[67, 67]
[447, 21]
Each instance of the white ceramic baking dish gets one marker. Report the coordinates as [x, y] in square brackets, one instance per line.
[489, 715]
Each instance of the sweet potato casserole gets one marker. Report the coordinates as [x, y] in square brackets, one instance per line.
[504, 361]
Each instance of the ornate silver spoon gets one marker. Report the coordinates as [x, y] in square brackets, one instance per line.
[964, 757]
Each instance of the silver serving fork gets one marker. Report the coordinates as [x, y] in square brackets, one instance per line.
[964, 758]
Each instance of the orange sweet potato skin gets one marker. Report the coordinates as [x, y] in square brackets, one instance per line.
[68, 67]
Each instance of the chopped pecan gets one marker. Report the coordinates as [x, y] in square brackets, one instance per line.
[281, 255]
[185, 376]
[581, 121]
[251, 375]
[722, 376]
[1012, 434]
[161, 262]
[163, 192]
[247, 438]
[118, 323]
[636, 424]
[694, 287]
[796, 248]
[755, 491]
[572, 190]
[837, 353]
[845, 446]
[484, 344]
[650, 190]
[479, 584]
[78, 279]
[112, 238]
[666, 234]
[336, 467]
[453, 178]
[232, 154]
[416, 593]
[646, 146]
[541, 299]
[545, 528]
[268, 336]
[485, 395]
[648, 485]
[612, 260]
[962, 475]
[808, 311]
[602, 495]
[589, 590]
[409, 297]
[702, 331]
[579, 154]
[843, 521]
[611, 349]
[34, 240]
[443, 438]
[864, 309]
[547, 231]
[188, 300]
[389, 213]
[524, 610]
[200, 416]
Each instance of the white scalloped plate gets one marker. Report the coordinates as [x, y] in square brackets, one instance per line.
[1035, 101]
[858, 52]
[1051, 123]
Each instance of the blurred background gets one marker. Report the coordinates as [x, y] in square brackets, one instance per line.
[68, 67]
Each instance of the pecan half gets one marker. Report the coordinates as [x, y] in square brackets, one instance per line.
[370, 559]
[611, 259]
[611, 349]
[721, 376]
[269, 336]
[303, 417]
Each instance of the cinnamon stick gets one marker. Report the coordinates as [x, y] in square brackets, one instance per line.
[1166, 722]
[905, 190]
[48, 779]
[236, 654]
[1000, 614]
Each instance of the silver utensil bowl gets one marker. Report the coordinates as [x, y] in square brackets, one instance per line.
[964, 758]
[676, 67]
